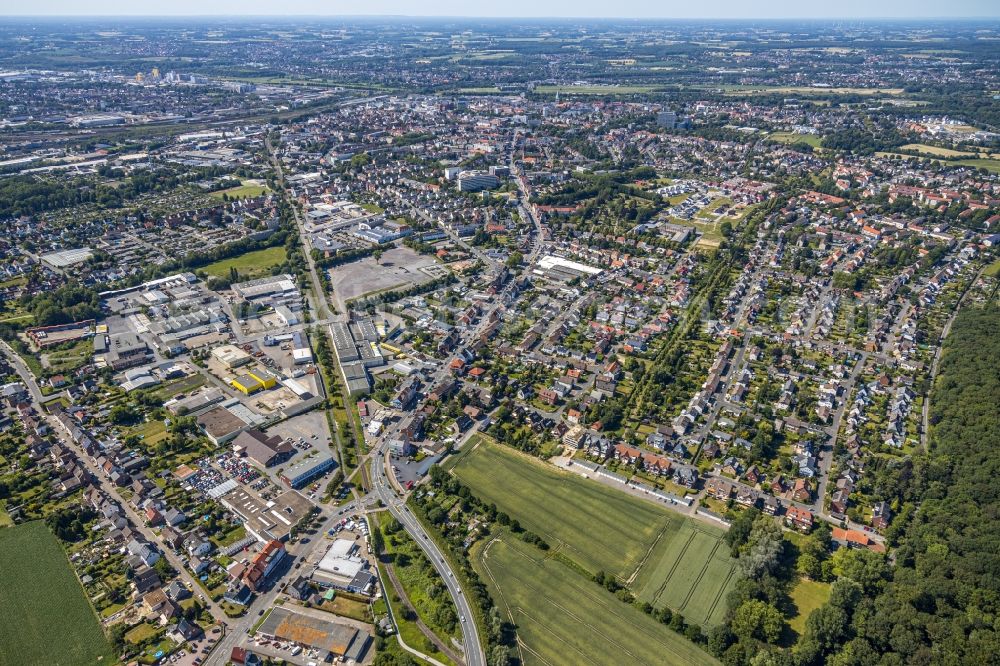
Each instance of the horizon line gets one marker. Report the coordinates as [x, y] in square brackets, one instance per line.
[977, 17]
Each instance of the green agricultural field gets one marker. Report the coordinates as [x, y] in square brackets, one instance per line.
[597, 527]
[45, 617]
[690, 572]
[250, 265]
[563, 618]
[937, 151]
[663, 557]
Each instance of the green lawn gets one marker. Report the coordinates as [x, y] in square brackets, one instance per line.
[45, 617]
[250, 265]
[813, 140]
[178, 386]
[13, 282]
[244, 191]
[75, 356]
[993, 166]
[993, 270]
[563, 618]
[807, 596]
[806, 90]
[141, 632]
[663, 557]
[408, 629]
[151, 432]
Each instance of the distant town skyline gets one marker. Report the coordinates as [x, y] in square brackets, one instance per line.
[707, 9]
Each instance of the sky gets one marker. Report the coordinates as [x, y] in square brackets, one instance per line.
[519, 8]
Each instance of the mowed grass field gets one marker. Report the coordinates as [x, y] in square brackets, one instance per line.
[244, 191]
[663, 557]
[564, 619]
[45, 618]
[993, 270]
[807, 596]
[814, 140]
[250, 265]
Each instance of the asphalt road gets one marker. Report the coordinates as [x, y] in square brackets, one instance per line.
[107, 487]
[474, 655]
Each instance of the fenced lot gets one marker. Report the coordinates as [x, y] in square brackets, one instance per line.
[563, 618]
[663, 557]
[44, 616]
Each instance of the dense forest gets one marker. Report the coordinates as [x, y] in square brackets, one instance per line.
[941, 602]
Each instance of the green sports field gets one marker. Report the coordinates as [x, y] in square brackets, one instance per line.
[45, 618]
[663, 557]
[563, 618]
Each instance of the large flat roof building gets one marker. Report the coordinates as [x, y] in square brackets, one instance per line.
[231, 356]
[221, 425]
[266, 287]
[328, 638]
[474, 181]
[67, 258]
[263, 519]
[304, 471]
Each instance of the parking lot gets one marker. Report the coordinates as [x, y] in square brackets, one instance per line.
[306, 432]
[197, 651]
[398, 266]
[407, 470]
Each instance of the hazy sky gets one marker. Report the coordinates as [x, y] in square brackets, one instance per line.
[516, 8]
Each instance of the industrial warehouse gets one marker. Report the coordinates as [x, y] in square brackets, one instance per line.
[330, 639]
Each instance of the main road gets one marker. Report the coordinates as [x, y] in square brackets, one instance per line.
[321, 305]
[474, 655]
